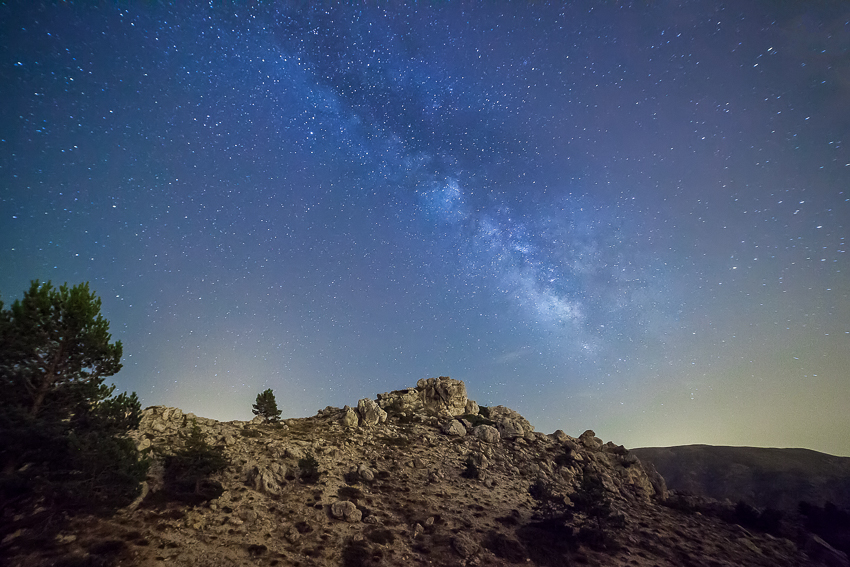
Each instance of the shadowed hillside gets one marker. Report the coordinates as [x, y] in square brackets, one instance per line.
[766, 478]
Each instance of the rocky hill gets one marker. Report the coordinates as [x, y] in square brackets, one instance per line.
[775, 478]
[419, 476]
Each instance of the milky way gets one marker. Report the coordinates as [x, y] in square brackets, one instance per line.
[622, 216]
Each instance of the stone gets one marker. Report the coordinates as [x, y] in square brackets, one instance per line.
[417, 530]
[443, 395]
[560, 436]
[365, 473]
[454, 428]
[590, 440]
[511, 425]
[292, 535]
[471, 408]
[486, 433]
[370, 412]
[349, 417]
[263, 480]
[464, 545]
[145, 443]
[293, 453]
[346, 510]
[480, 460]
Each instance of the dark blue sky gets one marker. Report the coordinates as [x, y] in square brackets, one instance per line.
[629, 217]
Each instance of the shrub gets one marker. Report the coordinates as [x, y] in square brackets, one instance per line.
[309, 469]
[187, 471]
[471, 471]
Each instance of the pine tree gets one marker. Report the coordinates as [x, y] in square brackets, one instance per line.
[266, 406]
[59, 423]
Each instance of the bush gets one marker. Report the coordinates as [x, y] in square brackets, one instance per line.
[187, 471]
[471, 471]
[309, 469]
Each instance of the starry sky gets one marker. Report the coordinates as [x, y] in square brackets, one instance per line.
[622, 216]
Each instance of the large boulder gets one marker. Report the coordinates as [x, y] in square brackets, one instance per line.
[486, 433]
[510, 424]
[349, 417]
[345, 510]
[590, 440]
[263, 480]
[443, 395]
[370, 412]
[454, 428]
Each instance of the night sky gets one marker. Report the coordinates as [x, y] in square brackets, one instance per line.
[630, 217]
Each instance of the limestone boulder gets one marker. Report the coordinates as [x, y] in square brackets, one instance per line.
[347, 511]
[590, 440]
[511, 425]
[349, 417]
[454, 428]
[370, 412]
[443, 395]
[486, 433]
[262, 479]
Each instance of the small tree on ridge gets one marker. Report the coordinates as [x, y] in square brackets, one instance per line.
[266, 406]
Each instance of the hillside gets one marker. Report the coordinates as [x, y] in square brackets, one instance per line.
[420, 476]
[775, 478]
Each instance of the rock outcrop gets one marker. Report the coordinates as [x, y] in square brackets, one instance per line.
[422, 476]
[441, 396]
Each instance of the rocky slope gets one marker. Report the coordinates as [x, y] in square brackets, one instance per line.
[777, 478]
[420, 476]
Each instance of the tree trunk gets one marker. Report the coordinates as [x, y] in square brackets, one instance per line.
[48, 379]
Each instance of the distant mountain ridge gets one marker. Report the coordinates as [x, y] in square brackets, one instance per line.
[763, 477]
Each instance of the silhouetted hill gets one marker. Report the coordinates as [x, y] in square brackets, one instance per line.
[765, 478]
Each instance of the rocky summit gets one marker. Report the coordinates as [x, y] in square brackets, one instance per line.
[418, 476]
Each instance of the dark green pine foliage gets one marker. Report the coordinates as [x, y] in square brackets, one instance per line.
[266, 406]
[187, 472]
[62, 432]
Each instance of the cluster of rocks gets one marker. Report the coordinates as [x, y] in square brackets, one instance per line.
[421, 475]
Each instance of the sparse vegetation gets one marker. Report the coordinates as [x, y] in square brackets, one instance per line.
[471, 470]
[188, 471]
[309, 469]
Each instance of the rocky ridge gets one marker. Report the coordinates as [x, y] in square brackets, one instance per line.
[419, 476]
